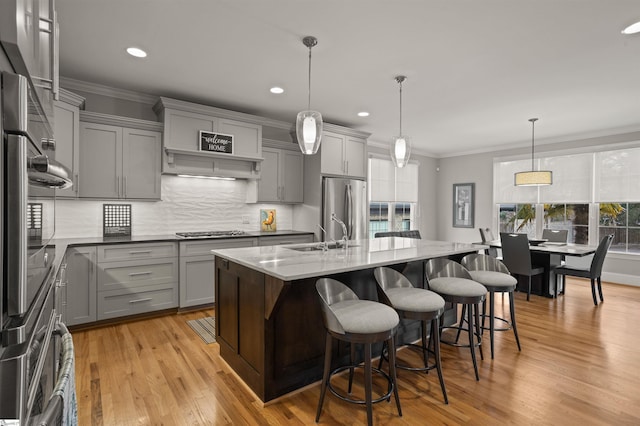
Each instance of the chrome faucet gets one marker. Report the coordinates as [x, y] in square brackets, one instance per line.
[324, 245]
[345, 238]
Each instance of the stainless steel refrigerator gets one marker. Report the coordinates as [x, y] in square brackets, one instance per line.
[347, 198]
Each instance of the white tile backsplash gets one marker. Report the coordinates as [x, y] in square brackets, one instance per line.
[188, 204]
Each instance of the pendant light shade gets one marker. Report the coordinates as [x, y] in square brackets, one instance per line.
[309, 123]
[533, 178]
[401, 144]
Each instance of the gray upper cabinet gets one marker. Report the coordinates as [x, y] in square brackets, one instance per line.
[282, 176]
[119, 162]
[183, 122]
[343, 155]
[100, 161]
[141, 163]
[66, 130]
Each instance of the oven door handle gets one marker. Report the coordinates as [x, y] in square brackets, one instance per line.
[33, 388]
[65, 386]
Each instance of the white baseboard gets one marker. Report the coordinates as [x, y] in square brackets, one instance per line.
[612, 277]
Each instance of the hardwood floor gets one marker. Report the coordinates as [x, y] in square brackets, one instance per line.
[578, 366]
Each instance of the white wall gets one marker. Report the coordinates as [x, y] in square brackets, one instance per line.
[188, 204]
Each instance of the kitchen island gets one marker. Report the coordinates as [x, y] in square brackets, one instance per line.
[268, 318]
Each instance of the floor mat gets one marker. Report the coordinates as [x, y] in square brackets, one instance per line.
[205, 327]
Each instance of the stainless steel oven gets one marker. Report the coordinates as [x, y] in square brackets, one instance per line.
[30, 178]
[30, 326]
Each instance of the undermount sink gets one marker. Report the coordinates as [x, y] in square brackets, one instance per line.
[319, 247]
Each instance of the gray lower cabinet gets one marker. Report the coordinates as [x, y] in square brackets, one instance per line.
[81, 285]
[146, 281]
[197, 267]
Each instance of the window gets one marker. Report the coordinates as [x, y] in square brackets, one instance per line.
[593, 194]
[393, 196]
[623, 221]
[378, 218]
[518, 218]
[572, 217]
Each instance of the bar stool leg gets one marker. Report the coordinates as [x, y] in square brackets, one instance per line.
[492, 309]
[435, 336]
[393, 372]
[325, 375]
[461, 324]
[512, 312]
[352, 357]
[425, 352]
[471, 331]
[478, 330]
[367, 382]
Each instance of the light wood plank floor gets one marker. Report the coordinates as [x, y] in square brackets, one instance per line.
[579, 365]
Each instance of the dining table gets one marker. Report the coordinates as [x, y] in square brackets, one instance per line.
[548, 255]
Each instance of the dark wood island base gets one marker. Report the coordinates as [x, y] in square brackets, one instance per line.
[271, 333]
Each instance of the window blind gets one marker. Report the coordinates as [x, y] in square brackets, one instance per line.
[504, 188]
[617, 175]
[572, 178]
[388, 183]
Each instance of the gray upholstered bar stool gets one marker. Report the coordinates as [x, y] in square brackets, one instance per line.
[356, 321]
[395, 290]
[494, 275]
[452, 281]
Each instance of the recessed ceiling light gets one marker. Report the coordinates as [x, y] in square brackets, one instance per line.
[277, 90]
[137, 52]
[632, 29]
[363, 114]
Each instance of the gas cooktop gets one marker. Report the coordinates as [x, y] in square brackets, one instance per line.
[210, 234]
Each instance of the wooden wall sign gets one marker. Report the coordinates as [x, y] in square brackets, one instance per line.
[216, 142]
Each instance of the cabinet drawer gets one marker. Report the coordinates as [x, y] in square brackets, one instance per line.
[196, 248]
[133, 274]
[118, 303]
[285, 239]
[109, 253]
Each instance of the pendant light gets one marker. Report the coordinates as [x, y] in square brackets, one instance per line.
[533, 178]
[309, 123]
[400, 145]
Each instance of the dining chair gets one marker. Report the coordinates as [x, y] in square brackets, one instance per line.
[594, 272]
[517, 257]
[555, 235]
[486, 235]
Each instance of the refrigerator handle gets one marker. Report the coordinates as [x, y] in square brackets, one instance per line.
[349, 212]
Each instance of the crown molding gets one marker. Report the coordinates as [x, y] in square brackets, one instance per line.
[111, 92]
[196, 108]
[71, 98]
[116, 120]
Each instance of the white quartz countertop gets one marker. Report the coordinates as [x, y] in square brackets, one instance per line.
[286, 263]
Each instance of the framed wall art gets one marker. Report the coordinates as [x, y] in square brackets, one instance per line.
[463, 205]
